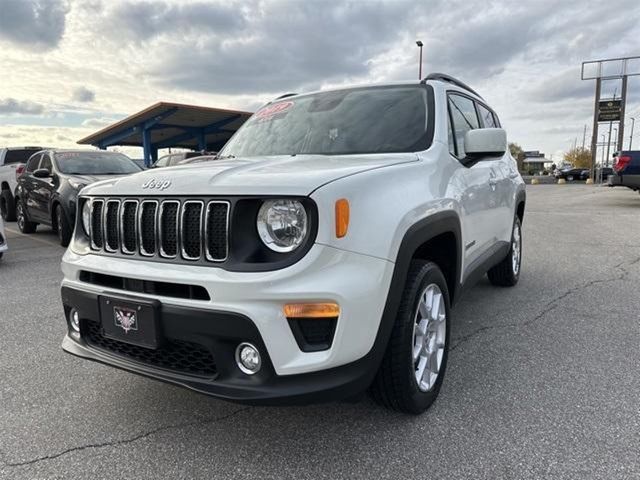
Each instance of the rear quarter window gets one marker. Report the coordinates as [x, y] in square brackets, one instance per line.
[19, 155]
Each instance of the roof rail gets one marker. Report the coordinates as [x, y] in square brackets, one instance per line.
[286, 95]
[448, 78]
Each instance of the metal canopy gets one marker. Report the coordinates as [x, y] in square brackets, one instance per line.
[166, 125]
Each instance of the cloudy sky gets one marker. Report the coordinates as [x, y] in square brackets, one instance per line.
[69, 67]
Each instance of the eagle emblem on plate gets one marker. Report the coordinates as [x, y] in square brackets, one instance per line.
[125, 318]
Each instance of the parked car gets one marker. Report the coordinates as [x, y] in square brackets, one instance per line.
[12, 161]
[175, 158]
[626, 170]
[202, 158]
[318, 257]
[572, 174]
[3, 239]
[47, 190]
[604, 173]
[140, 163]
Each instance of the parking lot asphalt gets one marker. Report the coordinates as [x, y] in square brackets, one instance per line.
[542, 380]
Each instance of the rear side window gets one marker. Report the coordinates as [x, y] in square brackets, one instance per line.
[463, 118]
[32, 164]
[486, 117]
[19, 155]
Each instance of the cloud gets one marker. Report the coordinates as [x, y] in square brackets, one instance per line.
[33, 23]
[83, 94]
[143, 20]
[276, 47]
[11, 106]
[563, 86]
[98, 122]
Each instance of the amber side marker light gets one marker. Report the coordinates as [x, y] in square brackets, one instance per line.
[311, 310]
[342, 217]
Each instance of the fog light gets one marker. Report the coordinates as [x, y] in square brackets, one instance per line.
[74, 320]
[248, 358]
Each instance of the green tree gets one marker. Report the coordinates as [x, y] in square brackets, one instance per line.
[516, 150]
[578, 157]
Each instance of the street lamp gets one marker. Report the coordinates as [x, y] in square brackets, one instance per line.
[633, 122]
[420, 44]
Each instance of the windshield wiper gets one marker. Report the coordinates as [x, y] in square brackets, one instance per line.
[218, 157]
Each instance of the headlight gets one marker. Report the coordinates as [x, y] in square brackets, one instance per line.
[282, 224]
[86, 217]
[77, 185]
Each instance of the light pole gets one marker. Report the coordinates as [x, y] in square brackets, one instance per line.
[420, 45]
[633, 122]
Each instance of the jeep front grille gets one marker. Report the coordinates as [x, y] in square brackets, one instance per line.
[186, 230]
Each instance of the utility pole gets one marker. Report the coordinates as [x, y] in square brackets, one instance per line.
[633, 122]
[608, 144]
[584, 136]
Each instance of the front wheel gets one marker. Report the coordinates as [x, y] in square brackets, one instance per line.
[62, 227]
[414, 363]
[24, 224]
[507, 272]
[7, 206]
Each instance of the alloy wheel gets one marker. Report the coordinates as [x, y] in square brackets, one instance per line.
[59, 222]
[429, 335]
[516, 248]
[21, 219]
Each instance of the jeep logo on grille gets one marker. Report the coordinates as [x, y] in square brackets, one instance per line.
[157, 184]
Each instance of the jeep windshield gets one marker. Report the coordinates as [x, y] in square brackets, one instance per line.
[355, 121]
[95, 163]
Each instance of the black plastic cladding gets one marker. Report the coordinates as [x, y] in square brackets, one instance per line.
[247, 253]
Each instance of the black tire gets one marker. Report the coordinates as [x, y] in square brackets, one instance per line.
[505, 274]
[24, 224]
[7, 206]
[569, 178]
[395, 385]
[61, 226]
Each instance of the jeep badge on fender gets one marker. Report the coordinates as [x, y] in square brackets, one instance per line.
[317, 258]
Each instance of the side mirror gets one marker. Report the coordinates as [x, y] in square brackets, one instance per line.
[484, 142]
[42, 173]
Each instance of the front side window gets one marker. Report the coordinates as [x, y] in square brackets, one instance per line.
[32, 164]
[486, 117]
[464, 118]
[46, 163]
[95, 163]
[162, 161]
[452, 140]
[343, 122]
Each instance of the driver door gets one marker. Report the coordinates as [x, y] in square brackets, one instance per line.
[42, 191]
[477, 183]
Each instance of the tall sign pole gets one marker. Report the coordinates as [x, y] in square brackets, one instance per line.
[594, 137]
[609, 110]
[622, 109]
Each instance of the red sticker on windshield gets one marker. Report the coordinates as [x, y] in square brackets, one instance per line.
[271, 111]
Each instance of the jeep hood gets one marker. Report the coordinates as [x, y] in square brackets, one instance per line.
[284, 175]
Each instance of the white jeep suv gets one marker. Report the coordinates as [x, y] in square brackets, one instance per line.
[318, 257]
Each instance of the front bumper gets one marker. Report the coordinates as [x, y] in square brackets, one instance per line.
[221, 332]
[248, 307]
